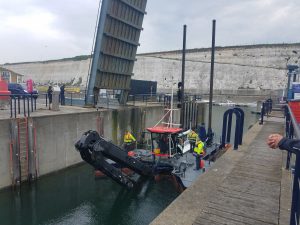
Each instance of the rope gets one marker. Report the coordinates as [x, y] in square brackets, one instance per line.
[93, 45]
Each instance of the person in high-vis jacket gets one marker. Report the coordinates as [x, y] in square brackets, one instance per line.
[193, 138]
[129, 141]
[198, 153]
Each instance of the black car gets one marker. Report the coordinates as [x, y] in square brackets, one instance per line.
[17, 89]
[20, 89]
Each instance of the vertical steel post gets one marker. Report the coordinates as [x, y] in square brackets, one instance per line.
[288, 131]
[288, 84]
[31, 101]
[11, 108]
[183, 75]
[15, 105]
[19, 107]
[71, 99]
[211, 86]
[294, 219]
[229, 127]
[28, 112]
[24, 107]
[92, 91]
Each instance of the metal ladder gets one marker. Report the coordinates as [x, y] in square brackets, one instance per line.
[23, 148]
[22, 151]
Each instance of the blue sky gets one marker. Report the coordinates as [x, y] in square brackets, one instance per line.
[40, 30]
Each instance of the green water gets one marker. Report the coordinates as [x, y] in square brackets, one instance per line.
[217, 120]
[73, 196]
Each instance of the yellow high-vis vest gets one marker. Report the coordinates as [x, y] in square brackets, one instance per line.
[199, 148]
[193, 136]
[128, 138]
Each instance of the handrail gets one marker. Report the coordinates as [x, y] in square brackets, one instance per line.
[293, 130]
[15, 103]
[295, 124]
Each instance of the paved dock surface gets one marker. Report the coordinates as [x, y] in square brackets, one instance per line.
[248, 186]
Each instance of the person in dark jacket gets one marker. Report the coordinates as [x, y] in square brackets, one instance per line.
[62, 95]
[278, 141]
[49, 93]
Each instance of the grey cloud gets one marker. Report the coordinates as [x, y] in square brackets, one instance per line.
[238, 22]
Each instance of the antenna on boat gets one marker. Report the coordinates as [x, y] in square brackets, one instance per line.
[171, 107]
[182, 116]
[170, 110]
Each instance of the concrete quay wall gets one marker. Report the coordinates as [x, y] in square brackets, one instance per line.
[57, 134]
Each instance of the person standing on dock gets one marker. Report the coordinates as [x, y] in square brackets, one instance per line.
[193, 138]
[62, 95]
[129, 141]
[198, 153]
[49, 94]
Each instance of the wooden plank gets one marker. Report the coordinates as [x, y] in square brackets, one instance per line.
[234, 217]
[249, 175]
[217, 219]
[246, 200]
[244, 211]
[252, 189]
[205, 221]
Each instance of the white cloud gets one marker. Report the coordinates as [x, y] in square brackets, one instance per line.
[36, 23]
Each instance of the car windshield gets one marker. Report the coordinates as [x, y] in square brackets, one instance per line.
[24, 86]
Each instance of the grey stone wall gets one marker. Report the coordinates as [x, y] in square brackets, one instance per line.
[258, 68]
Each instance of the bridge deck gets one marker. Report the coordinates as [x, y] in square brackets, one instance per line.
[248, 186]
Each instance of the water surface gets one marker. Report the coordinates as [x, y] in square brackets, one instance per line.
[73, 196]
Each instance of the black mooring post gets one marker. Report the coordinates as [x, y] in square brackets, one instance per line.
[211, 87]
[15, 105]
[19, 107]
[24, 106]
[28, 109]
[11, 108]
[182, 76]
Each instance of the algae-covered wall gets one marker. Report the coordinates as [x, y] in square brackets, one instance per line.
[4, 153]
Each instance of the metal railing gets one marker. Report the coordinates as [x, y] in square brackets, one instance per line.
[26, 104]
[19, 103]
[266, 109]
[293, 131]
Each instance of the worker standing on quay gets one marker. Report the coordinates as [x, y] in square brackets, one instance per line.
[198, 153]
[49, 95]
[193, 138]
[62, 95]
[129, 141]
